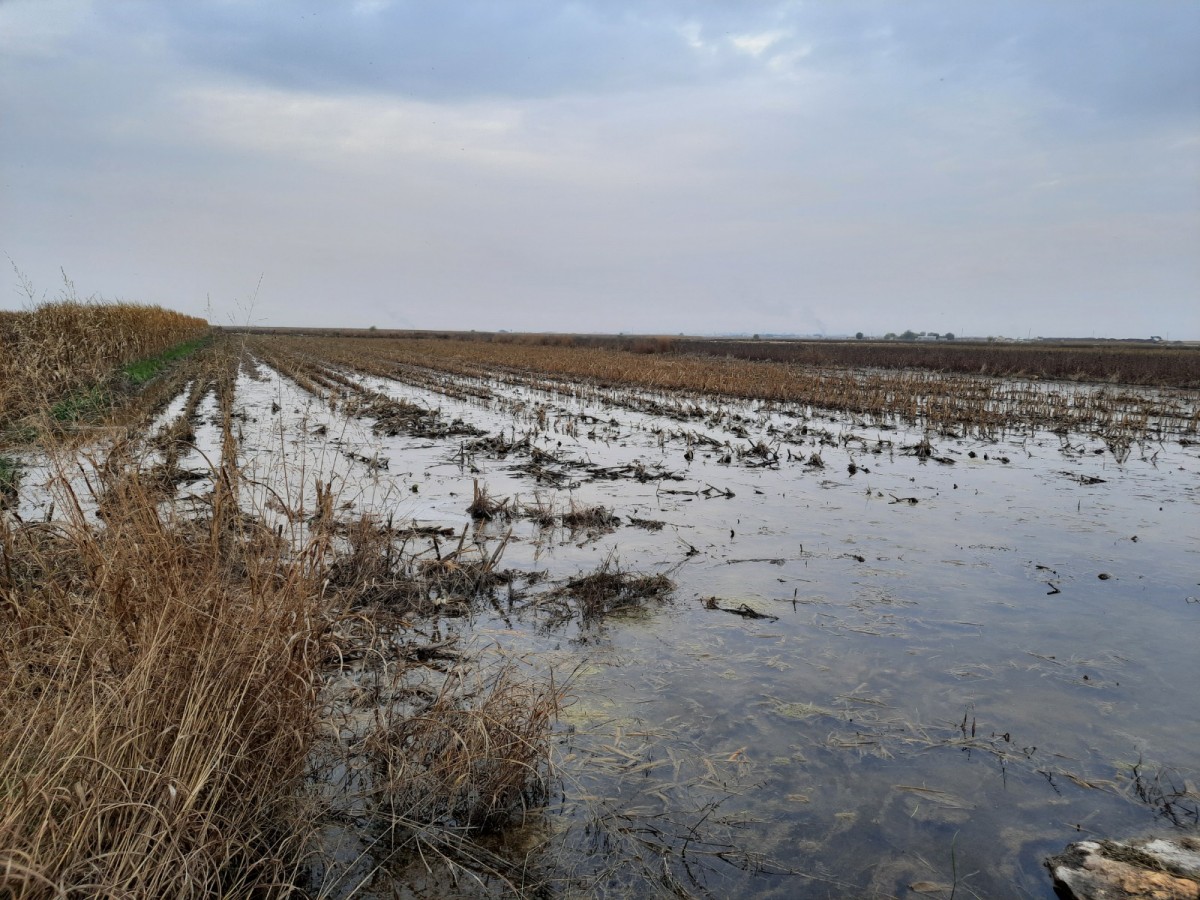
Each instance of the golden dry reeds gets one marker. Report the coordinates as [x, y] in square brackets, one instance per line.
[166, 687]
[167, 680]
[477, 757]
[157, 706]
[54, 349]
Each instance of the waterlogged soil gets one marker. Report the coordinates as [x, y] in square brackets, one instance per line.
[893, 664]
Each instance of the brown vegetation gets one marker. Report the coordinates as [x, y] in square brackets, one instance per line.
[609, 589]
[942, 401]
[580, 517]
[474, 759]
[55, 349]
[156, 697]
[1109, 361]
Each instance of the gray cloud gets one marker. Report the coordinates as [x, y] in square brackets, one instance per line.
[1110, 57]
[614, 166]
[432, 51]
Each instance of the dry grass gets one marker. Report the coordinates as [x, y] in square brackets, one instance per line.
[575, 517]
[580, 517]
[476, 758]
[484, 507]
[157, 706]
[609, 590]
[165, 683]
[58, 349]
[163, 691]
[541, 511]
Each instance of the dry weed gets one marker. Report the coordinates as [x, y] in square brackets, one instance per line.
[58, 349]
[474, 759]
[609, 590]
[156, 710]
[484, 507]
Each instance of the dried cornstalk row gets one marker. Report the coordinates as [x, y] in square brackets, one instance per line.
[313, 374]
[363, 357]
[313, 361]
[980, 404]
[289, 365]
[178, 434]
[391, 415]
[57, 348]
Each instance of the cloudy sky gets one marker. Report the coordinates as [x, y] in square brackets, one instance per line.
[609, 165]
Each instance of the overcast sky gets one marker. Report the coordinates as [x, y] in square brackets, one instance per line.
[984, 168]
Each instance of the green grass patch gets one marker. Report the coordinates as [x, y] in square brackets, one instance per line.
[143, 370]
[10, 474]
[17, 435]
[82, 405]
[96, 401]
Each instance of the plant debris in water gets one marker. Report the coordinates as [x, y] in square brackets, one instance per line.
[484, 507]
[609, 590]
[474, 759]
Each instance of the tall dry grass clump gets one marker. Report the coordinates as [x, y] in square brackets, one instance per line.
[56, 348]
[157, 705]
[476, 758]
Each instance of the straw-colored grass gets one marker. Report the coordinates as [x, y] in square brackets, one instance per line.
[168, 682]
[476, 758]
[157, 705]
[165, 699]
[64, 348]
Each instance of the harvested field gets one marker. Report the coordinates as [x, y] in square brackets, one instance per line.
[1146, 363]
[565, 621]
[681, 385]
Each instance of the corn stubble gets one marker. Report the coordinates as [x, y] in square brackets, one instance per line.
[951, 400]
[187, 701]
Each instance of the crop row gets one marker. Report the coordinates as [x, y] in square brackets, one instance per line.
[1141, 363]
[58, 349]
[941, 401]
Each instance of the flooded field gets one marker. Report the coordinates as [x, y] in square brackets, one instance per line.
[805, 652]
